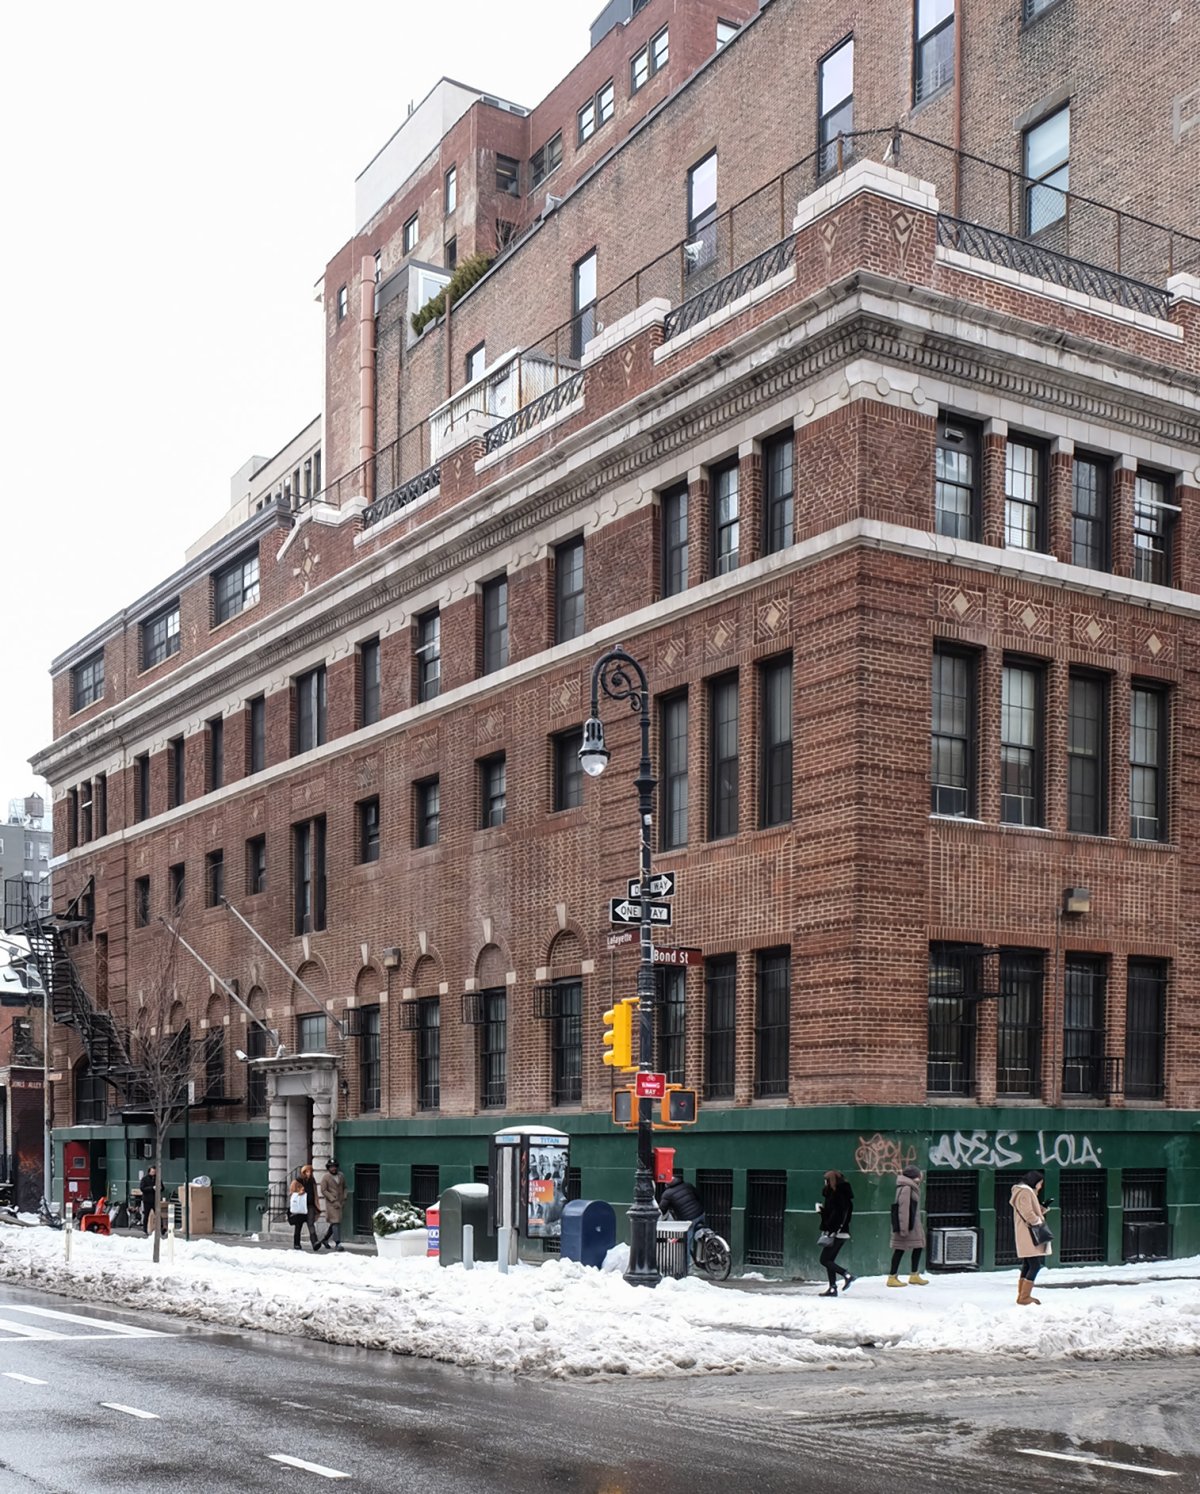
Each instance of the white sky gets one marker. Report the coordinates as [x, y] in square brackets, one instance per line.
[174, 182]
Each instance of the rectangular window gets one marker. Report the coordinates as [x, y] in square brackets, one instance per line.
[85, 817]
[933, 49]
[476, 362]
[429, 655]
[235, 587]
[726, 31]
[177, 885]
[1145, 1029]
[343, 302]
[495, 624]
[101, 798]
[835, 105]
[378, 279]
[214, 879]
[450, 253]
[568, 591]
[256, 733]
[493, 774]
[141, 786]
[310, 697]
[141, 902]
[256, 864]
[493, 1050]
[1085, 981]
[672, 1023]
[772, 1026]
[366, 814]
[1148, 762]
[675, 539]
[1089, 513]
[673, 777]
[410, 234]
[568, 771]
[583, 304]
[605, 101]
[723, 757]
[775, 788]
[428, 809]
[1153, 521]
[508, 176]
[216, 753]
[586, 120]
[952, 734]
[429, 1054]
[545, 161]
[652, 58]
[1024, 509]
[956, 486]
[87, 681]
[1145, 1231]
[1021, 745]
[566, 1043]
[778, 461]
[450, 190]
[160, 636]
[369, 682]
[701, 246]
[720, 1026]
[954, 971]
[369, 1065]
[177, 772]
[1087, 768]
[1047, 165]
[1031, 9]
[311, 1034]
[1019, 1023]
[726, 527]
[308, 875]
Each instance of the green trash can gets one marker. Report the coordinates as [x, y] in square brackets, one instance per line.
[465, 1203]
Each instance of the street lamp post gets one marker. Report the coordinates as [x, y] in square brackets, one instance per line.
[621, 677]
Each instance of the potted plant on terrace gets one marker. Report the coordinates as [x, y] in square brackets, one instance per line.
[399, 1229]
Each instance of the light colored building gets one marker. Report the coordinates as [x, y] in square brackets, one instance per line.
[289, 479]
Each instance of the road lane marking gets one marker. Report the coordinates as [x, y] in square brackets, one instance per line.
[308, 1467]
[28, 1330]
[130, 1410]
[24, 1379]
[127, 1330]
[1036, 1452]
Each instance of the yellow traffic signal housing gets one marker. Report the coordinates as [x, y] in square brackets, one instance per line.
[618, 1036]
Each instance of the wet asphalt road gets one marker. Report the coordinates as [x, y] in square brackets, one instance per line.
[226, 1401]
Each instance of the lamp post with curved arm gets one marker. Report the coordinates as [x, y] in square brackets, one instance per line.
[620, 677]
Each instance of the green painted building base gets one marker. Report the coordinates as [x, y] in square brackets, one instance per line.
[1125, 1182]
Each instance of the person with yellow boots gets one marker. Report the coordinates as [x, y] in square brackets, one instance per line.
[908, 1233]
[1028, 1219]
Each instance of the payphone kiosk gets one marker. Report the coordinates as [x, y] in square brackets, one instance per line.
[527, 1182]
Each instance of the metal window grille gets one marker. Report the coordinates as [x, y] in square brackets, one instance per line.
[424, 1188]
[723, 754]
[672, 1022]
[1084, 1216]
[566, 1043]
[1085, 984]
[778, 480]
[495, 624]
[726, 521]
[1147, 763]
[766, 1203]
[429, 1053]
[720, 1026]
[673, 805]
[1145, 1233]
[952, 1200]
[1145, 1029]
[256, 1079]
[773, 1027]
[568, 591]
[1089, 513]
[214, 1063]
[1006, 1243]
[493, 1049]
[954, 979]
[952, 735]
[1020, 745]
[715, 1187]
[1019, 1023]
[776, 770]
[257, 1149]
[366, 1196]
[91, 1097]
[1087, 732]
[369, 1066]
[481, 1173]
[956, 485]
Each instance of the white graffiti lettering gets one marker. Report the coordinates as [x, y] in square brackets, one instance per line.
[1067, 1150]
[958, 1149]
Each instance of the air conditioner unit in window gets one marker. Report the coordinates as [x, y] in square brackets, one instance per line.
[954, 1247]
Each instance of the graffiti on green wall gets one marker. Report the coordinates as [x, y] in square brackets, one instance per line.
[878, 1155]
[998, 1149]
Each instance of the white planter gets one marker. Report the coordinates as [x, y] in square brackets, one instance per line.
[403, 1242]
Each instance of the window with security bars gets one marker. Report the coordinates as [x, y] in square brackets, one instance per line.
[1090, 488]
[673, 772]
[778, 462]
[1021, 744]
[772, 1023]
[952, 733]
[952, 1200]
[1147, 762]
[933, 47]
[1085, 986]
[1019, 1023]
[1006, 1240]
[256, 1078]
[674, 507]
[366, 1196]
[568, 591]
[1145, 1233]
[723, 757]
[775, 806]
[1087, 735]
[214, 1063]
[720, 1026]
[715, 1187]
[1024, 489]
[1047, 162]
[672, 1022]
[1083, 1205]
[955, 972]
[956, 479]
[91, 1097]
[1145, 1029]
[1153, 520]
[766, 1205]
[726, 524]
[429, 1053]
[493, 1049]
[369, 1058]
[425, 1185]
[566, 1043]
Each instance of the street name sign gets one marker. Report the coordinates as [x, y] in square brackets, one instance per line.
[623, 912]
[661, 884]
[650, 1086]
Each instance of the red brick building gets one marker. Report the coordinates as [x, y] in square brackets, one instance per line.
[878, 445]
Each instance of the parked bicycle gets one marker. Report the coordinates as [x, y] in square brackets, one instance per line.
[47, 1215]
[710, 1254]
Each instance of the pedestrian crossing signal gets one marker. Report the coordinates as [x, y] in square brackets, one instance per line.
[678, 1107]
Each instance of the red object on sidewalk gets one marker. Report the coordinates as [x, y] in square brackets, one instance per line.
[98, 1223]
[433, 1224]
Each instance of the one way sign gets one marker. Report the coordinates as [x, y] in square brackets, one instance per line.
[622, 911]
[661, 884]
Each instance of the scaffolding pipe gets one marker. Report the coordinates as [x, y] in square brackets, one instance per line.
[283, 965]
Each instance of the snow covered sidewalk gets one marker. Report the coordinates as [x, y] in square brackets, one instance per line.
[564, 1320]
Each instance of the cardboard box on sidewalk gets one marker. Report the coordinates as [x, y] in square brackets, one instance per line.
[198, 1206]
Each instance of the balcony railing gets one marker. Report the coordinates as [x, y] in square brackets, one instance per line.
[535, 412]
[1032, 259]
[744, 279]
[401, 497]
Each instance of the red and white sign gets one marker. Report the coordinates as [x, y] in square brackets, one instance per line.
[650, 1086]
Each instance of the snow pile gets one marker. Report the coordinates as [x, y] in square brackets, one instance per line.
[562, 1319]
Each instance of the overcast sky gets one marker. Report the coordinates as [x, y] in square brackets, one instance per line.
[175, 180]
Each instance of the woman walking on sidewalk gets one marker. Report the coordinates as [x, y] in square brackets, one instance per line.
[837, 1206]
[302, 1206]
[908, 1233]
[1028, 1210]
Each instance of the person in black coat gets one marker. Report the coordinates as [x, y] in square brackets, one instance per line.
[150, 1200]
[681, 1201]
[837, 1207]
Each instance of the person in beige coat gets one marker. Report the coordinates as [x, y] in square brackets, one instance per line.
[1028, 1209]
[333, 1199]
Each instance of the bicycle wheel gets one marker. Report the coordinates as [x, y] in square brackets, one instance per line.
[717, 1262]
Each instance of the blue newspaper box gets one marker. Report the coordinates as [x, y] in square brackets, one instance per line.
[589, 1231]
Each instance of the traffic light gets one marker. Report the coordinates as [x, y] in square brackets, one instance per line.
[618, 1036]
[678, 1107]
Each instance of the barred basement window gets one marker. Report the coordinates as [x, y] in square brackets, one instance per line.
[766, 1205]
[424, 1188]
